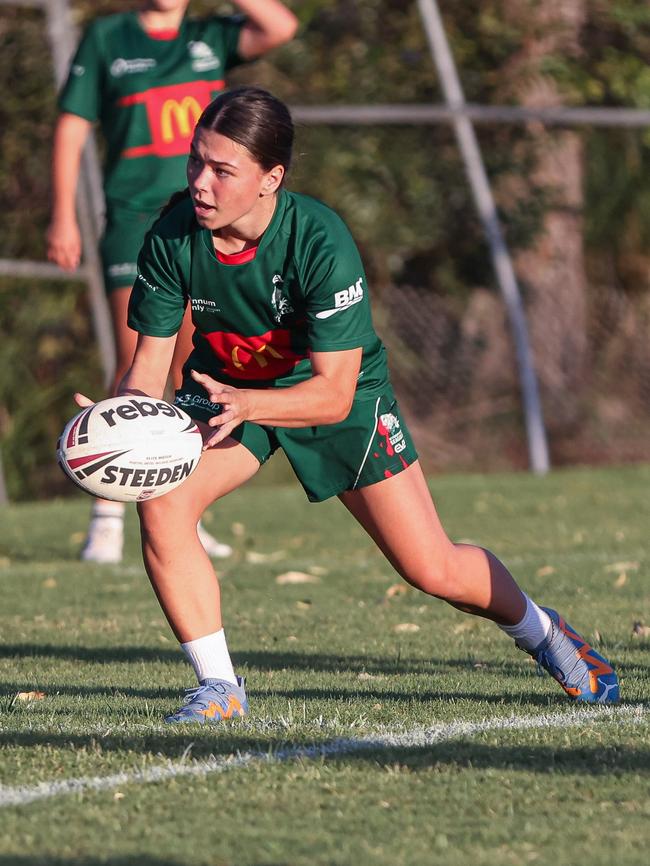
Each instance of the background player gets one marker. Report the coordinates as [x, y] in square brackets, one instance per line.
[146, 75]
[287, 355]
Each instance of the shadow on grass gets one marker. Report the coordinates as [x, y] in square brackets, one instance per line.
[100, 654]
[9, 689]
[264, 661]
[594, 760]
[274, 660]
[300, 695]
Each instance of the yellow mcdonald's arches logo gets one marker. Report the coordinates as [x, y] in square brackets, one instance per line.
[258, 354]
[181, 115]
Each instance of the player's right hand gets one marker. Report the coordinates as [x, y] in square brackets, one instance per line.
[64, 244]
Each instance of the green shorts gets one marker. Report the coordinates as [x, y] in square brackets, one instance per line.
[372, 443]
[120, 245]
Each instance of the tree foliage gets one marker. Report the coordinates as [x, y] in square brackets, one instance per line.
[401, 189]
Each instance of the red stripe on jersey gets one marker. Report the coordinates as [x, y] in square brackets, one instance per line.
[237, 258]
[162, 35]
[132, 99]
[264, 357]
[171, 91]
[143, 150]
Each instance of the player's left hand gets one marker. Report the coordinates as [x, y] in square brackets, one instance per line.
[235, 403]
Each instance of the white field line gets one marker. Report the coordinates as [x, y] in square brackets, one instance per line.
[416, 738]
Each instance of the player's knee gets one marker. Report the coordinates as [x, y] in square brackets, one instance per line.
[440, 576]
[160, 519]
[150, 519]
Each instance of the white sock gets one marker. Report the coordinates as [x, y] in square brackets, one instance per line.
[210, 658]
[106, 514]
[533, 628]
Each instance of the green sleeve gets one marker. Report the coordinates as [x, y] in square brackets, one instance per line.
[82, 92]
[227, 29]
[157, 302]
[337, 302]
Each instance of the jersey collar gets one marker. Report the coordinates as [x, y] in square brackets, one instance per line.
[155, 39]
[269, 233]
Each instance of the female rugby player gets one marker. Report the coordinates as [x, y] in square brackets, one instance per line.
[146, 75]
[285, 356]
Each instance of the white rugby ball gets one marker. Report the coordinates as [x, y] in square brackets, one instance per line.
[130, 448]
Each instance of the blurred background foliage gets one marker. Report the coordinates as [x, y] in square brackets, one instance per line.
[404, 194]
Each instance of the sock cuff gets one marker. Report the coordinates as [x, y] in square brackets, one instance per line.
[209, 657]
[105, 508]
[533, 627]
[198, 643]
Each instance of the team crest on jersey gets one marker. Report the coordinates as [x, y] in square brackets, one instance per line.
[203, 57]
[390, 422]
[281, 304]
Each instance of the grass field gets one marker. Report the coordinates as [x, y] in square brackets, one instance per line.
[385, 727]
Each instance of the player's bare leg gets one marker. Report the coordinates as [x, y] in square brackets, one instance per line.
[186, 585]
[401, 517]
[105, 538]
[180, 571]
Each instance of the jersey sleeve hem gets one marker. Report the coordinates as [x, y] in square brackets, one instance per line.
[148, 330]
[85, 115]
[356, 342]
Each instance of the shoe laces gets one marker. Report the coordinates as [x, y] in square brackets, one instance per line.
[194, 692]
[545, 663]
[576, 668]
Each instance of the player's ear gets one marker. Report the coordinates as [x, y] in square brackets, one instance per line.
[272, 180]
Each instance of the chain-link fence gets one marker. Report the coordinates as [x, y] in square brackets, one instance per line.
[454, 371]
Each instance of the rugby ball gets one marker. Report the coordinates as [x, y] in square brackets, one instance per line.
[129, 448]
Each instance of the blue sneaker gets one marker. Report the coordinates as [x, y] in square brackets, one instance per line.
[579, 669]
[212, 702]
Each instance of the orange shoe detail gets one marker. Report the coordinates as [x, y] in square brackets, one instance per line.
[214, 709]
[596, 665]
[583, 673]
[570, 690]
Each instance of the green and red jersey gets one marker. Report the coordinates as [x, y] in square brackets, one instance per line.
[148, 92]
[259, 314]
